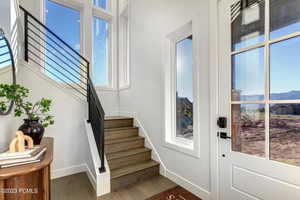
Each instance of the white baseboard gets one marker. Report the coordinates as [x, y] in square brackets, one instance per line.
[91, 177]
[75, 170]
[58, 173]
[195, 189]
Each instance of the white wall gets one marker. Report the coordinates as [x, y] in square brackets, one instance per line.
[151, 22]
[5, 15]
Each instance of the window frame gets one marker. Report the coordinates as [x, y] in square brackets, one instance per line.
[108, 10]
[124, 45]
[266, 44]
[109, 16]
[170, 140]
[109, 19]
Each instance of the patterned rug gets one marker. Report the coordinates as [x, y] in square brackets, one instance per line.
[176, 193]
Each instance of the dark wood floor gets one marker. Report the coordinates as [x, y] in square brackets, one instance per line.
[78, 187]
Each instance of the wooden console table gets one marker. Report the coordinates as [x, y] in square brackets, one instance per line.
[28, 182]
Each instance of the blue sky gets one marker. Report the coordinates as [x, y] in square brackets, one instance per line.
[65, 22]
[185, 69]
[284, 64]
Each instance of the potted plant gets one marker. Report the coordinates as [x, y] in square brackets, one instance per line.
[37, 114]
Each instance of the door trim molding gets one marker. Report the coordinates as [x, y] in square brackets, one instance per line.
[214, 88]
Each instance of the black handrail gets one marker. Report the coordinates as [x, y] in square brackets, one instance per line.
[36, 52]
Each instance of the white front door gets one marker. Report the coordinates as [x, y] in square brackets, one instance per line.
[259, 93]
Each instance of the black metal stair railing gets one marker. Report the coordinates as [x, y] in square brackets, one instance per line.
[64, 64]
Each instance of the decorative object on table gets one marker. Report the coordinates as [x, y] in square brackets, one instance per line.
[38, 116]
[22, 161]
[18, 143]
[28, 153]
[7, 59]
[19, 154]
[33, 128]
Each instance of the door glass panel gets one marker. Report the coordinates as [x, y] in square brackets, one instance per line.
[247, 25]
[248, 76]
[285, 70]
[184, 94]
[285, 17]
[65, 22]
[248, 128]
[285, 133]
[100, 51]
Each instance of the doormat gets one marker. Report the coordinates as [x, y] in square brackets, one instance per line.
[176, 193]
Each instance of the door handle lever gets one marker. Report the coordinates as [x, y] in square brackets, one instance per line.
[223, 135]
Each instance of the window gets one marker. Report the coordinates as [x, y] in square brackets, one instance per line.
[104, 4]
[181, 92]
[66, 19]
[65, 22]
[265, 104]
[101, 51]
[184, 93]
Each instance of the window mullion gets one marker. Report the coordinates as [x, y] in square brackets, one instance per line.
[267, 78]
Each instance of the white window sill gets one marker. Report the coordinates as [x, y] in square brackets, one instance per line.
[127, 87]
[183, 146]
[103, 88]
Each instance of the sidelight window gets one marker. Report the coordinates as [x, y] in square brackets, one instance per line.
[184, 86]
[182, 91]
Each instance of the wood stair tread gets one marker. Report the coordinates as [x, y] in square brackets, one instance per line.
[120, 129]
[127, 153]
[132, 169]
[117, 118]
[121, 140]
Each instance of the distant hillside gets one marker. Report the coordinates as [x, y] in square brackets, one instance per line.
[292, 95]
[184, 113]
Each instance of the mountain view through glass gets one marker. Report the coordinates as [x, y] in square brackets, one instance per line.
[184, 95]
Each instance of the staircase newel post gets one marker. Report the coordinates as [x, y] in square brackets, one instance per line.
[102, 168]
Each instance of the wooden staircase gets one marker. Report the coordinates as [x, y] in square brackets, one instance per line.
[129, 160]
